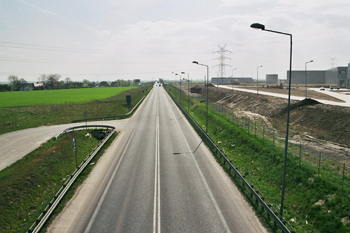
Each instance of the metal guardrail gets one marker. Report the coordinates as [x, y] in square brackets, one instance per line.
[258, 197]
[111, 117]
[83, 127]
[44, 216]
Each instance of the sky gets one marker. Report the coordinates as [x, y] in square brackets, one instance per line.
[107, 40]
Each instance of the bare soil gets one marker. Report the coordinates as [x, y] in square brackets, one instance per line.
[318, 127]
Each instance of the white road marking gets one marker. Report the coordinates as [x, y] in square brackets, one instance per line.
[217, 208]
[156, 206]
[97, 210]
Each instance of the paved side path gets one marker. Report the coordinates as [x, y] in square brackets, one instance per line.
[15, 145]
[338, 95]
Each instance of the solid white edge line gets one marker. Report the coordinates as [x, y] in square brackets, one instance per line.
[156, 205]
[158, 181]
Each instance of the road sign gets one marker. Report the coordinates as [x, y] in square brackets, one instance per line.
[74, 147]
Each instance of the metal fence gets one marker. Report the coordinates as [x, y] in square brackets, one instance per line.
[46, 213]
[334, 171]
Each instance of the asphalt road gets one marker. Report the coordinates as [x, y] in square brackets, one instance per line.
[151, 179]
[15, 145]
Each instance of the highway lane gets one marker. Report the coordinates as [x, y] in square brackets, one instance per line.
[151, 180]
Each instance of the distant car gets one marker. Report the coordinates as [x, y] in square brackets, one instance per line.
[322, 89]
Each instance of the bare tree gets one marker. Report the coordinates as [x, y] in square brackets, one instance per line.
[42, 78]
[15, 82]
[52, 80]
[68, 82]
[23, 83]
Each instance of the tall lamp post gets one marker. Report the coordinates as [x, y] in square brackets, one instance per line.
[232, 78]
[306, 77]
[262, 27]
[188, 92]
[257, 79]
[196, 62]
[175, 82]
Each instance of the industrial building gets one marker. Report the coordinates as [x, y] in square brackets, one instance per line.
[232, 80]
[338, 76]
[272, 79]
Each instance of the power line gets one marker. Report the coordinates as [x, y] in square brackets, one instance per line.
[76, 50]
[222, 59]
[84, 63]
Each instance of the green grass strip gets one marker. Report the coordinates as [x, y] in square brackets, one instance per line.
[61, 96]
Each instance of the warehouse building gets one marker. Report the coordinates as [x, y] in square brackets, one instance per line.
[338, 76]
[231, 80]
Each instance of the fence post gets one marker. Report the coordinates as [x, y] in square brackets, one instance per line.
[342, 185]
[255, 128]
[299, 153]
[263, 134]
[319, 164]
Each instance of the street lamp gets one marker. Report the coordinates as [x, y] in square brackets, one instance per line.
[306, 78]
[196, 62]
[232, 72]
[257, 79]
[262, 27]
[180, 88]
[188, 92]
[175, 82]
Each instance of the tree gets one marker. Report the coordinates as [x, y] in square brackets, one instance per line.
[68, 82]
[52, 80]
[23, 83]
[42, 78]
[16, 83]
[86, 83]
[5, 87]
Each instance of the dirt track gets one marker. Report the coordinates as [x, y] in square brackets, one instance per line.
[319, 127]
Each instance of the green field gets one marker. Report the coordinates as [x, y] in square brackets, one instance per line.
[34, 114]
[62, 96]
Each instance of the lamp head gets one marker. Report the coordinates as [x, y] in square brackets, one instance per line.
[258, 26]
[195, 62]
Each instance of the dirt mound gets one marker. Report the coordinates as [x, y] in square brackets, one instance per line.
[305, 102]
[307, 117]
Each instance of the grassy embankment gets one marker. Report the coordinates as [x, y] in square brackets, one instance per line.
[312, 203]
[27, 186]
[21, 110]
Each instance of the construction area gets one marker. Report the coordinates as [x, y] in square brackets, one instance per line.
[319, 127]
